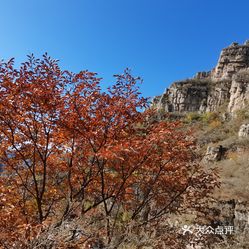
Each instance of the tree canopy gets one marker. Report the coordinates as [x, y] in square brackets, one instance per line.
[72, 151]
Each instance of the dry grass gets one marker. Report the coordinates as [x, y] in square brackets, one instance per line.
[234, 174]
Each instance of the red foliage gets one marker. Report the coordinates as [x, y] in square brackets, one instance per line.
[68, 148]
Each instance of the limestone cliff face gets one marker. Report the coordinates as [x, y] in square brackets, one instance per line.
[239, 91]
[231, 61]
[227, 84]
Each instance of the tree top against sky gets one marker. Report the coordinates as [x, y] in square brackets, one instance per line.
[159, 40]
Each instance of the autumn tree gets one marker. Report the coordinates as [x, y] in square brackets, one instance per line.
[70, 150]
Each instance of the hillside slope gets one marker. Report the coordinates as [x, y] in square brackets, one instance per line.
[215, 105]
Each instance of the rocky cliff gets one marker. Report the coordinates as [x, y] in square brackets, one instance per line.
[226, 85]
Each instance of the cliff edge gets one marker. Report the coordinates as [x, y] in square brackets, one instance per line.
[226, 85]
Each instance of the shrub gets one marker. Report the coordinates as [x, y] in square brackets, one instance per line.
[193, 116]
[209, 116]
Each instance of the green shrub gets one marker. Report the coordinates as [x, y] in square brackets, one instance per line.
[242, 114]
[193, 116]
[209, 117]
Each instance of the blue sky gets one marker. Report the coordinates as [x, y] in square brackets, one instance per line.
[160, 40]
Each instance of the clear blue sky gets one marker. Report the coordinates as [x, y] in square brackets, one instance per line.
[160, 40]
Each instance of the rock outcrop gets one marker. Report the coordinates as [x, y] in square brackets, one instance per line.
[214, 153]
[231, 61]
[234, 213]
[244, 131]
[226, 85]
[239, 91]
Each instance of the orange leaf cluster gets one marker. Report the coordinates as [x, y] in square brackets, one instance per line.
[69, 148]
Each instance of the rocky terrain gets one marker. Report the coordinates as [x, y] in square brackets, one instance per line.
[226, 84]
[215, 105]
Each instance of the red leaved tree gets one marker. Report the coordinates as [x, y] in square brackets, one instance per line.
[72, 152]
